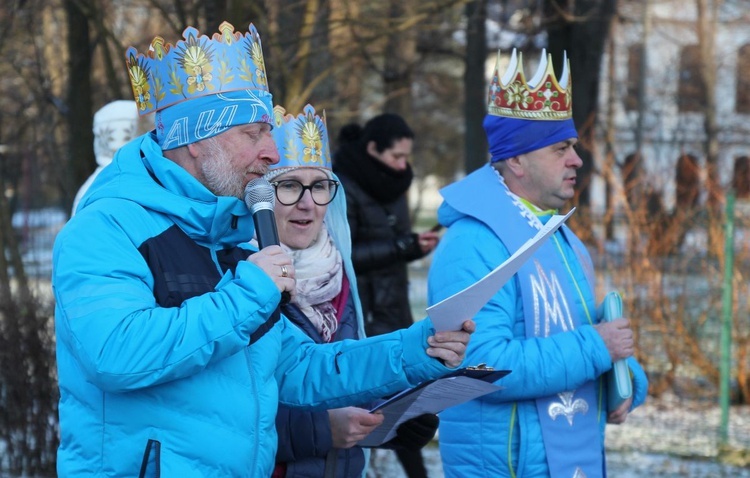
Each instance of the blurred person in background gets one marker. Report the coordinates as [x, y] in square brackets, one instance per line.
[373, 165]
[115, 124]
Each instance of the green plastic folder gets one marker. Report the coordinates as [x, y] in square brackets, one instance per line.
[619, 384]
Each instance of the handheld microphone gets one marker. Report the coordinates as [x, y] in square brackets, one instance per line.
[260, 199]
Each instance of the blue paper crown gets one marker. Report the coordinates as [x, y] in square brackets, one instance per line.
[302, 140]
[196, 67]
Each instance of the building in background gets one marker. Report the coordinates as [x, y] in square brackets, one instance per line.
[667, 123]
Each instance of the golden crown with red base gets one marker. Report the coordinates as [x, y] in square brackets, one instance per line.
[541, 98]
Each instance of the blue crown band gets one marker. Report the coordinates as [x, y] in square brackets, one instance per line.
[206, 116]
[509, 137]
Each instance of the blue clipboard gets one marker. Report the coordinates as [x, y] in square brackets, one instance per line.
[619, 384]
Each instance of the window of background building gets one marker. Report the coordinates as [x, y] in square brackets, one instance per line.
[634, 73]
[687, 181]
[742, 104]
[691, 93]
[741, 177]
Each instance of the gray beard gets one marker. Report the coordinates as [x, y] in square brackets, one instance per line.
[217, 171]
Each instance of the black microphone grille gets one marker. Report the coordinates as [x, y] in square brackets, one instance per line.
[259, 194]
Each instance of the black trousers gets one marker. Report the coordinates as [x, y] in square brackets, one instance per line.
[413, 463]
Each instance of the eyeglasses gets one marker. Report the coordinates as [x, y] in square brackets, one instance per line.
[290, 191]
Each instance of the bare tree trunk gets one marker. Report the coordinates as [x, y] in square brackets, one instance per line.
[609, 144]
[345, 16]
[241, 13]
[298, 80]
[400, 53]
[642, 73]
[7, 243]
[475, 94]
[707, 19]
[216, 13]
[581, 28]
[637, 188]
[79, 106]
[297, 53]
[707, 43]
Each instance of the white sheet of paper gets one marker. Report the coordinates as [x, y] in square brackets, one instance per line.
[450, 313]
[433, 398]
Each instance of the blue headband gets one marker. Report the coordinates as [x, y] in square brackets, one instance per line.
[509, 137]
[205, 116]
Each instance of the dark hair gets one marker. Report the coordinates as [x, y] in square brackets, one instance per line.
[350, 133]
[384, 129]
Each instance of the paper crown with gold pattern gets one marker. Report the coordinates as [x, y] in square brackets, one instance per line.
[201, 86]
[302, 140]
[541, 98]
[527, 116]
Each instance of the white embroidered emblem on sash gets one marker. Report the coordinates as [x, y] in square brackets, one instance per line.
[567, 407]
[550, 305]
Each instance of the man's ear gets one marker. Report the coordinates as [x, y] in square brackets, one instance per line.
[193, 149]
[515, 166]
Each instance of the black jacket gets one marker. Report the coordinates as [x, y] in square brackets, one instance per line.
[382, 241]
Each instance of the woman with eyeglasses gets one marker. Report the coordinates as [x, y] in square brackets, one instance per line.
[313, 229]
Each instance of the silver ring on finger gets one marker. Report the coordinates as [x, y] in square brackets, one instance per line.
[284, 271]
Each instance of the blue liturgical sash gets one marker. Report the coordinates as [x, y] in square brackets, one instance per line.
[557, 291]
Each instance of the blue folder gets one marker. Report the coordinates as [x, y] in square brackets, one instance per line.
[619, 384]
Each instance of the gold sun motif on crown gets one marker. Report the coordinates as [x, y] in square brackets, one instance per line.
[195, 58]
[139, 82]
[311, 135]
[256, 53]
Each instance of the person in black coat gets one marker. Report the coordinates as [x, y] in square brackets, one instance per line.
[372, 164]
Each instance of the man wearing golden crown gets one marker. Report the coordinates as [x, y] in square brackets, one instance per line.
[549, 419]
[171, 358]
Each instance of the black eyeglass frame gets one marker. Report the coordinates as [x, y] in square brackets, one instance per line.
[306, 187]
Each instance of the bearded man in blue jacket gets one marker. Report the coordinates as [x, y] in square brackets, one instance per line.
[549, 419]
[171, 360]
